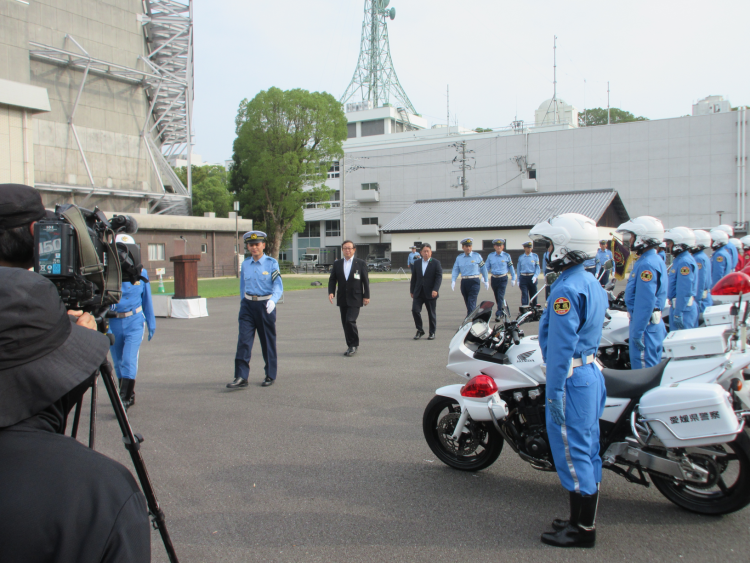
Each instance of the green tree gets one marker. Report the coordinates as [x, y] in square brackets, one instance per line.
[598, 116]
[483, 130]
[286, 141]
[210, 189]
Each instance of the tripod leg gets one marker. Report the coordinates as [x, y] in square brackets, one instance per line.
[92, 418]
[76, 418]
[133, 445]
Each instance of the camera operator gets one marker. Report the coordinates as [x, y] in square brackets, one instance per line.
[20, 208]
[61, 500]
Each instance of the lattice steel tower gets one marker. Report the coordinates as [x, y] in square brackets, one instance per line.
[375, 78]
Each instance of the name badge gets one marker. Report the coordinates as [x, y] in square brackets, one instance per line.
[356, 276]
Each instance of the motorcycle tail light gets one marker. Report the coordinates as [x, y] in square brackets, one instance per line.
[735, 283]
[479, 386]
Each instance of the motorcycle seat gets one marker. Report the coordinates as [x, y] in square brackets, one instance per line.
[632, 383]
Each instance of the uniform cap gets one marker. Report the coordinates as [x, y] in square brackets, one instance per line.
[528, 244]
[467, 242]
[254, 236]
[19, 205]
[498, 241]
[125, 239]
[603, 241]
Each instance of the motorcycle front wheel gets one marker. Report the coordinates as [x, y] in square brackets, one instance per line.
[477, 448]
[728, 487]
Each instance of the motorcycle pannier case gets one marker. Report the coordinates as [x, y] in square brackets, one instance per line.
[690, 414]
[718, 315]
[705, 341]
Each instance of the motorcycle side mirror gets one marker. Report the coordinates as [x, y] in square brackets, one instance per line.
[608, 265]
[551, 277]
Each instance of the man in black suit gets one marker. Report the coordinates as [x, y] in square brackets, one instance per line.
[350, 274]
[426, 277]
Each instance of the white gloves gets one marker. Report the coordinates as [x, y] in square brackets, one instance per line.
[453, 286]
[533, 280]
[270, 306]
[513, 282]
[705, 294]
[487, 284]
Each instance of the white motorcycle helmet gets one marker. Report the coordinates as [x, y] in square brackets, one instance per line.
[702, 239]
[728, 229]
[745, 241]
[682, 239]
[737, 244]
[574, 239]
[645, 232]
[719, 238]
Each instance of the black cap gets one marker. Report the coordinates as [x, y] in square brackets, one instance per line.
[43, 355]
[19, 205]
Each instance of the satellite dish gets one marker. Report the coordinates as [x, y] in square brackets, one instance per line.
[392, 13]
[384, 3]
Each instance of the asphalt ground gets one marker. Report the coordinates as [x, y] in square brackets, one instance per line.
[330, 464]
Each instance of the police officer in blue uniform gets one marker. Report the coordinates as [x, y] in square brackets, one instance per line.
[500, 267]
[662, 252]
[721, 259]
[703, 241]
[569, 333]
[731, 249]
[528, 272]
[646, 291]
[126, 324]
[471, 267]
[260, 290]
[602, 255]
[683, 279]
[413, 255]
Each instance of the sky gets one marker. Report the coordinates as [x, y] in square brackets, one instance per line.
[660, 56]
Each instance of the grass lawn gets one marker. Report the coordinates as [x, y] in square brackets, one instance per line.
[227, 287]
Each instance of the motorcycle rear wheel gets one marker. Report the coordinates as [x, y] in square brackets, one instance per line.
[731, 491]
[475, 450]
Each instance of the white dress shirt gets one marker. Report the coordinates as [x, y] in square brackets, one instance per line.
[425, 263]
[348, 267]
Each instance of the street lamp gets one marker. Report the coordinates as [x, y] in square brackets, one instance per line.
[237, 238]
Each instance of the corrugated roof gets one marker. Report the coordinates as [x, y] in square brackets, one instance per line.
[498, 212]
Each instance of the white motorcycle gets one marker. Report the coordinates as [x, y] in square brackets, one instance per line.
[679, 423]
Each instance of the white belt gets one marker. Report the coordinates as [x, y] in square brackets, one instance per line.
[128, 314]
[257, 297]
[576, 363]
[471, 277]
[500, 275]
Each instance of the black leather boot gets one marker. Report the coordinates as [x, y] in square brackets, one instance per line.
[575, 509]
[580, 533]
[121, 383]
[127, 393]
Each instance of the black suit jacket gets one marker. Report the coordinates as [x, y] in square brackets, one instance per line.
[352, 291]
[430, 281]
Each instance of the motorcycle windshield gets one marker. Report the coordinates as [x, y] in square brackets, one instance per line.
[484, 308]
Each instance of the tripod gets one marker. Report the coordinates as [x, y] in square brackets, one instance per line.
[132, 444]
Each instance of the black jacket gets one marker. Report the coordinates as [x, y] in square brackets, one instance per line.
[433, 277]
[352, 291]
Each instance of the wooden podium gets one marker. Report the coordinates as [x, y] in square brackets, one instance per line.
[186, 276]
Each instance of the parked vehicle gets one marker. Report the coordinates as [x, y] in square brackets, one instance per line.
[379, 265]
[678, 424]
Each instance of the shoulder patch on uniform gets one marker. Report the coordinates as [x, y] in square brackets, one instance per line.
[561, 306]
[481, 263]
[719, 258]
[700, 266]
[275, 274]
[684, 270]
[647, 275]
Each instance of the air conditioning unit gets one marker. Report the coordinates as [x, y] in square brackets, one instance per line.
[529, 186]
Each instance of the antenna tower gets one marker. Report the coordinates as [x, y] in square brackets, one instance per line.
[375, 78]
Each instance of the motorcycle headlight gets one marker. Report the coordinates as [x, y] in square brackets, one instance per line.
[480, 330]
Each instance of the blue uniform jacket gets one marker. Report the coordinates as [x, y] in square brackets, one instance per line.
[663, 256]
[721, 263]
[500, 264]
[412, 256]
[528, 264]
[734, 254]
[471, 265]
[683, 283]
[646, 290]
[261, 278]
[571, 326]
[138, 295]
[601, 257]
[545, 259]
[704, 273]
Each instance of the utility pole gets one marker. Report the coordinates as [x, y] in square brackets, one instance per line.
[448, 108]
[607, 102]
[343, 198]
[463, 164]
[237, 237]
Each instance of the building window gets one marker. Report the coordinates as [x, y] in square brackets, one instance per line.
[333, 171]
[446, 245]
[336, 195]
[369, 220]
[312, 229]
[333, 228]
[155, 252]
[204, 248]
[371, 186]
[235, 249]
[487, 245]
[205, 235]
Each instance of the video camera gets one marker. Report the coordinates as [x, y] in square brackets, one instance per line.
[77, 251]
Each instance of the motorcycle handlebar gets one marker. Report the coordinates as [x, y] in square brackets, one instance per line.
[514, 336]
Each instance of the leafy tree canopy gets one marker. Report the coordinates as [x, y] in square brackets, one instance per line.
[286, 140]
[598, 116]
[482, 130]
[210, 189]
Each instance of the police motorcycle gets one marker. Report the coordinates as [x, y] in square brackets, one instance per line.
[678, 424]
